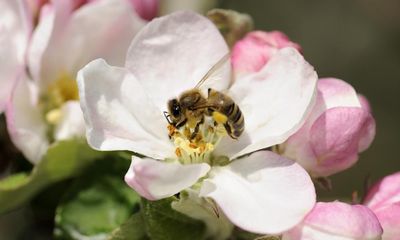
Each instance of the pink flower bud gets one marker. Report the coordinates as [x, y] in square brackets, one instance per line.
[336, 130]
[254, 51]
[364, 103]
[337, 220]
[383, 199]
[147, 9]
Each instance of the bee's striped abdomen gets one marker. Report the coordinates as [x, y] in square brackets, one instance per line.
[235, 124]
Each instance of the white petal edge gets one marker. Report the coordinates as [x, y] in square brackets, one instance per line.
[274, 102]
[155, 180]
[72, 123]
[118, 113]
[15, 28]
[74, 38]
[172, 53]
[25, 122]
[262, 193]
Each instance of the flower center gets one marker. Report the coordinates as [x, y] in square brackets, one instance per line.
[197, 146]
[63, 89]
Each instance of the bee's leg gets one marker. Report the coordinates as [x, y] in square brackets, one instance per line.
[180, 124]
[196, 129]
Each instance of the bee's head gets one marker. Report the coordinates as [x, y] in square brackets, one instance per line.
[175, 111]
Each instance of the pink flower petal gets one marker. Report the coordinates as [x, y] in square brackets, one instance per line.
[364, 103]
[263, 193]
[337, 221]
[252, 52]
[337, 136]
[384, 192]
[147, 9]
[155, 180]
[343, 130]
[389, 218]
[383, 198]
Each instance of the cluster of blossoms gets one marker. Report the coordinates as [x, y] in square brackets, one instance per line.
[43, 106]
[297, 127]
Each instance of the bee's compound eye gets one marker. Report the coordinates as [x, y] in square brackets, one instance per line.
[176, 110]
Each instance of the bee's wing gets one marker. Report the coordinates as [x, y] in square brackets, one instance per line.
[213, 70]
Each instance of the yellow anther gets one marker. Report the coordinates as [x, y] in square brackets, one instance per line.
[53, 116]
[178, 152]
[192, 145]
[219, 117]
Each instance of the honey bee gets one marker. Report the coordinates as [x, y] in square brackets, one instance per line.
[191, 107]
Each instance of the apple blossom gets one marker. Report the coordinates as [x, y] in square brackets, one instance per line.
[44, 106]
[337, 129]
[337, 221]
[123, 108]
[252, 52]
[383, 198]
[15, 30]
[147, 9]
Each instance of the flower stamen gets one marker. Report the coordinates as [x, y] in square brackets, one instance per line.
[197, 149]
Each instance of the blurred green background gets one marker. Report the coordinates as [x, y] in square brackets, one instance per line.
[359, 42]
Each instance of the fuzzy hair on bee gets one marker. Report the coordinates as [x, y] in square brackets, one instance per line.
[191, 107]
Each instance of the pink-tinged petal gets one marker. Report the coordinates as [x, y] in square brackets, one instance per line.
[155, 180]
[262, 193]
[337, 93]
[118, 113]
[25, 121]
[383, 198]
[389, 218]
[72, 123]
[51, 24]
[147, 9]
[337, 221]
[364, 103]
[343, 130]
[337, 136]
[274, 102]
[252, 52]
[15, 29]
[172, 53]
[384, 192]
[101, 28]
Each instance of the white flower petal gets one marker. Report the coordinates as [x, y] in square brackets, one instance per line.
[15, 28]
[43, 35]
[103, 28]
[172, 53]
[25, 121]
[72, 123]
[118, 113]
[154, 179]
[274, 102]
[263, 193]
[196, 207]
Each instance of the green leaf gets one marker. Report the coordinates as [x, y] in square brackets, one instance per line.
[63, 160]
[97, 202]
[164, 223]
[133, 229]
